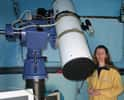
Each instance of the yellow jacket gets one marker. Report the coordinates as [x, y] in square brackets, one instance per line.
[108, 83]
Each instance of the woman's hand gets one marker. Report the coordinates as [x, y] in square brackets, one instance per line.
[90, 91]
[93, 92]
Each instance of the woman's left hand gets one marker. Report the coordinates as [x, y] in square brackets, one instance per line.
[95, 92]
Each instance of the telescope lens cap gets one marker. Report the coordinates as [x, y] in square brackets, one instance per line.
[79, 69]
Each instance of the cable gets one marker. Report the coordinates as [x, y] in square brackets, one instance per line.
[29, 26]
[16, 8]
[2, 31]
[79, 89]
[25, 11]
[20, 20]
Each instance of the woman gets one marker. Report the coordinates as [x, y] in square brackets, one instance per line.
[105, 83]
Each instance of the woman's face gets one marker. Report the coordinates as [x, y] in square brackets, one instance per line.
[101, 55]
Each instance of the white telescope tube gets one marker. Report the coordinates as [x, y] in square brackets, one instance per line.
[74, 52]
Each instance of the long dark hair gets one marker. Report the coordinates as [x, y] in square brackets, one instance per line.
[108, 60]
